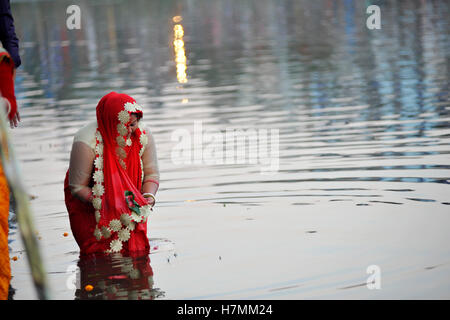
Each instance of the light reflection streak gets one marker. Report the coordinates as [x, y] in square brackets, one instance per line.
[180, 53]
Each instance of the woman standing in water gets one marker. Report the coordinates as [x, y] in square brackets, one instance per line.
[112, 179]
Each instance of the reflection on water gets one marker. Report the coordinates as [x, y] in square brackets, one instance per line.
[363, 115]
[116, 276]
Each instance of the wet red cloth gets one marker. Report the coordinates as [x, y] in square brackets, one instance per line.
[117, 180]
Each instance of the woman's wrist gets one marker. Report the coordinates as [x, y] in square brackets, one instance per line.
[147, 195]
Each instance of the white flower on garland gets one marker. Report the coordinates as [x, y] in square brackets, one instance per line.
[98, 136]
[125, 219]
[124, 116]
[97, 203]
[116, 245]
[98, 162]
[124, 235]
[106, 232]
[97, 234]
[131, 107]
[98, 190]
[143, 139]
[121, 129]
[120, 141]
[122, 164]
[145, 211]
[98, 176]
[137, 218]
[121, 152]
[131, 226]
[97, 215]
[99, 149]
[115, 225]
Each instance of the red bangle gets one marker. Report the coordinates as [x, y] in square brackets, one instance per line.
[151, 180]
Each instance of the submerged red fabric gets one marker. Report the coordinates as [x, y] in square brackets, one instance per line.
[117, 180]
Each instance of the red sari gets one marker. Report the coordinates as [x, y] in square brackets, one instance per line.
[115, 220]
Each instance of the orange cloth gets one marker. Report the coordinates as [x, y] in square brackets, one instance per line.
[5, 268]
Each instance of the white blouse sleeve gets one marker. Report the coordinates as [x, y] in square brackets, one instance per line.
[150, 159]
[82, 159]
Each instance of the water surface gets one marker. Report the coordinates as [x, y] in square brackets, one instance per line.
[363, 115]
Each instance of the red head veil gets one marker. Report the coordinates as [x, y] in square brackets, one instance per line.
[120, 210]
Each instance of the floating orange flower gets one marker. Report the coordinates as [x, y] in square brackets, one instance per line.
[88, 288]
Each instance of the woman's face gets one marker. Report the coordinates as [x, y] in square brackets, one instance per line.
[133, 125]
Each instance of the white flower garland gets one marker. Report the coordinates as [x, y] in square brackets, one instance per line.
[127, 222]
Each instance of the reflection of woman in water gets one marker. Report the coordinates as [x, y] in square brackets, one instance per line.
[112, 179]
[116, 276]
